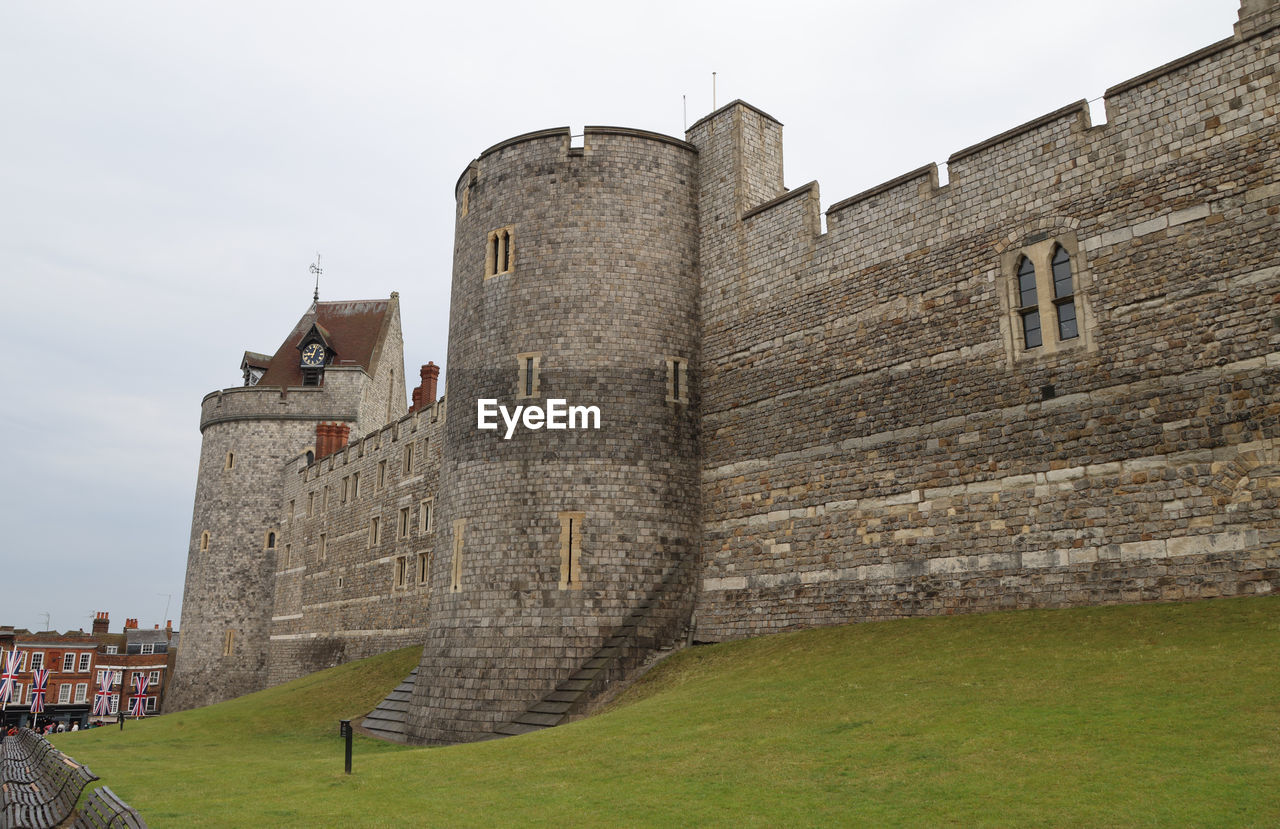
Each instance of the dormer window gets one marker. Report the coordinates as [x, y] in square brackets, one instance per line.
[314, 354]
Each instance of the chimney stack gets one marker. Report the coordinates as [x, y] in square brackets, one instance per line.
[101, 623]
[130, 624]
[425, 394]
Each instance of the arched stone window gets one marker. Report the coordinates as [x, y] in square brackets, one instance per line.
[1064, 294]
[499, 257]
[1028, 304]
[1045, 296]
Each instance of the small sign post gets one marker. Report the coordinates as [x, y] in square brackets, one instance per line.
[344, 729]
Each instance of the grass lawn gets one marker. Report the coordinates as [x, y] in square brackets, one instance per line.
[1152, 715]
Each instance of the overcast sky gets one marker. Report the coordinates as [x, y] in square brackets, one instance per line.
[168, 171]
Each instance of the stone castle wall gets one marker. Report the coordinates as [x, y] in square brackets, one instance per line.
[862, 432]
[356, 597]
[602, 288]
[878, 443]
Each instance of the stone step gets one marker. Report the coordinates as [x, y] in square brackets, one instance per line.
[562, 696]
[549, 707]
[512, 729]
[534, 718]
[574, 685]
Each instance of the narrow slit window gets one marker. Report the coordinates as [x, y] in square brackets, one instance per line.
[677, 380]
[571, 550]
[1064, 295]
[408, 458]
[322, 546]
[455, 567]
[424, 515]
[423, 563]
[231, 461]
[529, 367]
[1029, 308]
[228, 643]
[271, 540]
[204, 541]
[404, 522]
[373, 530]
[402, 571]
[382, 474]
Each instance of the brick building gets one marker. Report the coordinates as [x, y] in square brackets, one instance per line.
[134, 651]
[1049, 382]
[69, 658]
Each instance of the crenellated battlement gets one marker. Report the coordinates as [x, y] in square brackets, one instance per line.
[1153, 115]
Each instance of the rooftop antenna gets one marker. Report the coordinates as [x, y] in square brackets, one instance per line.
[316, 269]
[168, 597]
[46, 621]
[713, 91]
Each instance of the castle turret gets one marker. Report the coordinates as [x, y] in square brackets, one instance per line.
[341, 364]
[574, 285]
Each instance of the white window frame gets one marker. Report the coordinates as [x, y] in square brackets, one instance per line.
[82, 692]
[86, 659]
[37, 660]
[68, 662]
[64, 693]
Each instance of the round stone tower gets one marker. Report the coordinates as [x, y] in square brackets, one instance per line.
[247, 436]
[575, 290]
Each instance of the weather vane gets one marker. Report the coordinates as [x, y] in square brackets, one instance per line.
[316, 269]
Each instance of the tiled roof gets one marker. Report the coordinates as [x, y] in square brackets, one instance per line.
[255, 360]
[353, 330]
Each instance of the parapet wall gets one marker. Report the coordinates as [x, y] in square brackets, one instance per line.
[878, 440]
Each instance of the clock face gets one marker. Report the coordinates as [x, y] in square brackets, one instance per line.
[313, 355]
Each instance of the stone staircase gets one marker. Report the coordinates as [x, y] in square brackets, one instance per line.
[387, 720]
[571, 695]
[623, 650]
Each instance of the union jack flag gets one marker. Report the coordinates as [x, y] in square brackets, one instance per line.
[139, 704]
[102, 699]
[39, 678]
[10, 676]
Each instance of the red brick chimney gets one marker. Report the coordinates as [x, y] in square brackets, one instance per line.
[101, 623]
[330, 438]
[425, 394]
[130, 624]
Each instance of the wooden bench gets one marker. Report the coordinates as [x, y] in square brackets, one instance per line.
[26, 769]
[50, 798]
[21, 746]
[104, 810]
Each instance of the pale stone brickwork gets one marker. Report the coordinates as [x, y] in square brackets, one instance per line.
[346, 604]
[603, 288]
[230, 592]
[861, 431]
[871, 450]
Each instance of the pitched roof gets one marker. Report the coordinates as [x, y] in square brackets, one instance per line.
[353, 329]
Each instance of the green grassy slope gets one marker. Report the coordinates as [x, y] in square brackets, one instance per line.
[1147, 715]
